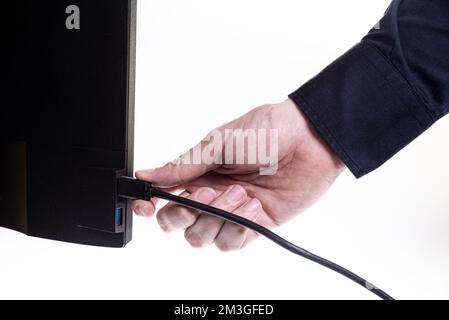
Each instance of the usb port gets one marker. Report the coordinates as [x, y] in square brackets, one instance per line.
[119, 216]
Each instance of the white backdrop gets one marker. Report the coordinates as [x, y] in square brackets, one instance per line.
[201, 63]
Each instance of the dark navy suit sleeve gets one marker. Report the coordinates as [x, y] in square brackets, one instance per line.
[385, 91]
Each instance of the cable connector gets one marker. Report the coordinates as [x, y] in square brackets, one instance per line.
[133, 189]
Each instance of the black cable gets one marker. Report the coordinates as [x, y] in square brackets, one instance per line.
[134, 189]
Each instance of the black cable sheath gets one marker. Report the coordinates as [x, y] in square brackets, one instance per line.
[133, 189]
[270, 235]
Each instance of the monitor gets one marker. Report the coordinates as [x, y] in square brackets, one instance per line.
[67, 120]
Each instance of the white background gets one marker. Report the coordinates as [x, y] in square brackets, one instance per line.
[201, 63]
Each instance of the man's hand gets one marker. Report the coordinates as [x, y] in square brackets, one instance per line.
[307, 167]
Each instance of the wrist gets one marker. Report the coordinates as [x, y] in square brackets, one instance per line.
[310, 140]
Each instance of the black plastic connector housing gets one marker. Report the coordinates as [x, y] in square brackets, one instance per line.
[132, 189]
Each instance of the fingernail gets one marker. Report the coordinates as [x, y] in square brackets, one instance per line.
[235, 194]
[206, 195]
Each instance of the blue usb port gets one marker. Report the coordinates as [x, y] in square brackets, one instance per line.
[119, 216]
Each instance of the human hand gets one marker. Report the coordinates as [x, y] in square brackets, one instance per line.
[305, 169]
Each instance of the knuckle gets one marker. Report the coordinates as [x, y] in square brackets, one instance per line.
[257, 203]
[240, 231]
[186, 217]
[238, 188]
[204, 195]
[175, 218]
[264, 107]
[163, 223]
[164, 220]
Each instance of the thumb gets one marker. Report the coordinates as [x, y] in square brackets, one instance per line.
[185, 169]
